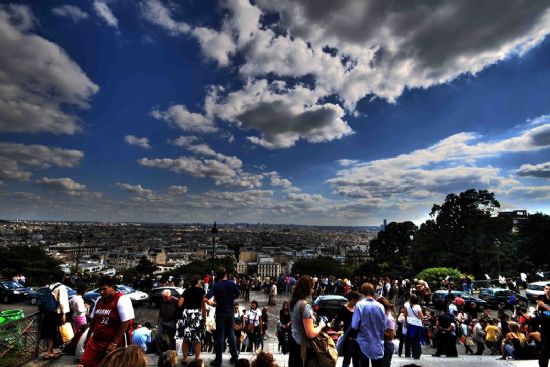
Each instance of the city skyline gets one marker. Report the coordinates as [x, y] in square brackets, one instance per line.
[309, 113]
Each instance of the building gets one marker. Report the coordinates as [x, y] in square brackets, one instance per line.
[242, 268]
[267, 267]
[518, 217]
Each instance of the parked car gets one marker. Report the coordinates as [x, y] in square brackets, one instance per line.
[33, 295]
[155, 296]
[328, 305]
[439, 299]
[535, 290]
[137, 297]
[493, 296]
[12, 291]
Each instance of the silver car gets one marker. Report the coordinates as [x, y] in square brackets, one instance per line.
[536, 289]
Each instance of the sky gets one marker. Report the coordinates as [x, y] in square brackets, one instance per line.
[314, 112]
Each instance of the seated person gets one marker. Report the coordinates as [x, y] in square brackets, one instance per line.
[514, 344]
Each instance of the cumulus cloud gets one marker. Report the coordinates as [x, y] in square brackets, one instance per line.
[283, 115]
[447, 166]
[14, 156]
[179, 116]
[70, 11]
[104, 12]
[156, 13]
[66, 186]
[349, 50]
[38, 79]
[140, 142]
[134, 189]
[534, 170]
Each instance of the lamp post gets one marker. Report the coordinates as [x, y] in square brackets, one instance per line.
[80, 240]
[214, 230]
[497, 243]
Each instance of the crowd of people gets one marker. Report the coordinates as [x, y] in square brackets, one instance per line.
[207, 317]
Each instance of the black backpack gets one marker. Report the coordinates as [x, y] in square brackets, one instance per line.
[46, 302]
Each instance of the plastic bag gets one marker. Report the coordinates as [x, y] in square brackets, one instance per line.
[66, 331]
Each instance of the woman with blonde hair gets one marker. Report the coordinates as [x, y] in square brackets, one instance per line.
[514, 343]
[131, 356]
[303, 322]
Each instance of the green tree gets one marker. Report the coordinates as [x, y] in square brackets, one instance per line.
[533, 242]
[146, 266]
[392, 248]
[462, 233]
[31, 261]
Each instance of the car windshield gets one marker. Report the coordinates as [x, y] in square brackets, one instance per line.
[125, 289]
[12, 285]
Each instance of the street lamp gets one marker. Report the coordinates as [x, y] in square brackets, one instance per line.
[497, 243]
[214, 230]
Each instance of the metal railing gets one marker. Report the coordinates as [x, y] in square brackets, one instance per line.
[20, 340]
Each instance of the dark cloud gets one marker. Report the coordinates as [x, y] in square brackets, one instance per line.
[540, 170]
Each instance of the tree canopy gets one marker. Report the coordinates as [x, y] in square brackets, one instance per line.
[31, 261]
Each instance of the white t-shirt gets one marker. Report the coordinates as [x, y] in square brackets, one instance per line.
[412, 314]
[254, 316]
[124, 308]
[78, 307]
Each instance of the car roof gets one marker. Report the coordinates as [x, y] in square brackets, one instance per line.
[331, 296]
[175, 288]
[543, 282]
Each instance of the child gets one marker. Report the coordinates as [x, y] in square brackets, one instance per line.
[170, 358]
[491, 337]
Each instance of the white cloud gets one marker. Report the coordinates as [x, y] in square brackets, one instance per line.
[14, 156]
[447, 166]
[282, 115]
[135, 189]
[349, 50]
[177, 190]
[38, 79]
[103, 11]
[70, 11]
[140, 142]
[156, 13]
[534, 170]
[66, 186]
[179, 116]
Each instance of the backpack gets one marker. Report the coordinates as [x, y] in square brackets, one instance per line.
[323, 346]
[46, 302]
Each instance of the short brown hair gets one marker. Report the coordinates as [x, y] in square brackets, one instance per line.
[367, 289]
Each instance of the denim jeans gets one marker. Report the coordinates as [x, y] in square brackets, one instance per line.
[412, 341]
[224, 327]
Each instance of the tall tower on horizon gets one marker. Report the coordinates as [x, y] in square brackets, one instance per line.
[385, 224]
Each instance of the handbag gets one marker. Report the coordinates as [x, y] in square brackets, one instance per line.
[249, 326]
[323, 346]
[66, 331]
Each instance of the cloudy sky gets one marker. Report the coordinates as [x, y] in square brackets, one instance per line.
[306, 112]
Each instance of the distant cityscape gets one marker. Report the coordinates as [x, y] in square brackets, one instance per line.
[268, 250]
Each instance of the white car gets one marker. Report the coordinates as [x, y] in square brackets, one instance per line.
[536, 289]
[137, 297]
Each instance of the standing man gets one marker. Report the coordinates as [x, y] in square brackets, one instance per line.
[273, 294]
[543, 306]
[224, 292]
[168, 315]
[112, 316]
[54, 314]
[369, 318]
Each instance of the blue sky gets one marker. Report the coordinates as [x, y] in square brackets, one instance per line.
[304, 112]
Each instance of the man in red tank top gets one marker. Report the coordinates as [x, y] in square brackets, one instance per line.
[112, 315]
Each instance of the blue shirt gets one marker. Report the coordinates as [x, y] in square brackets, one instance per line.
[141, 337]
[369, 319]
[225, 292]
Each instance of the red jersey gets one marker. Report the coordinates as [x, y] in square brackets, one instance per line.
[107, 321]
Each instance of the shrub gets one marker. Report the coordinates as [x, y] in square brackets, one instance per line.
[435, 275]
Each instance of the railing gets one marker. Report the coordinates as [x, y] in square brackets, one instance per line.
[20, 341]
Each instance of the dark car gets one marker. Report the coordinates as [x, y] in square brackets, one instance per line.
[12, 291]
[34, 295]
[439, 299]
[155, 296]
[493, 296]
[137, 297]
[328, 305]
